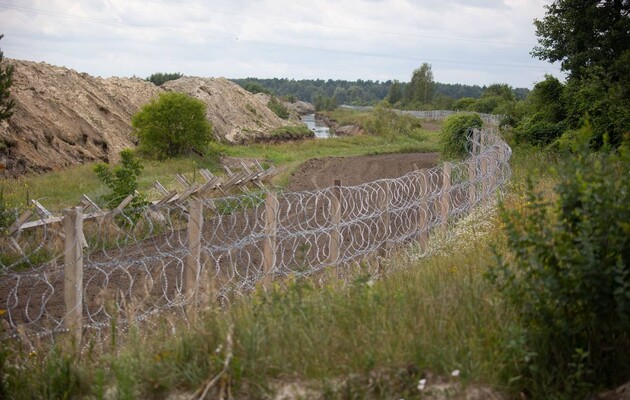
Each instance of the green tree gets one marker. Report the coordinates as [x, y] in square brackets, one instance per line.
[160, 77]
[278, 108]
[171, 125]
[583, 33]
[422, 86]
[6, 79]
[122, 179]
[395, 93]
[591, 40]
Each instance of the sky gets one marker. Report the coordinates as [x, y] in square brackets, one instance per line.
[470, 42]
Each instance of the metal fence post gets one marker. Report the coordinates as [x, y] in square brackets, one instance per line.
[73, 278]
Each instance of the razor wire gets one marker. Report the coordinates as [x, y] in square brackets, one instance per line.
[137, 263]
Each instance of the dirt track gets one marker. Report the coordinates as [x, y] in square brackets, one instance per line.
[319, 173]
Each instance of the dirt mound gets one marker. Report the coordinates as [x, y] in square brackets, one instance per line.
[237, 116]
[63, 117]
[319, 173]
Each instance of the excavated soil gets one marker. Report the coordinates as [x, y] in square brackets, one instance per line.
[319, 173]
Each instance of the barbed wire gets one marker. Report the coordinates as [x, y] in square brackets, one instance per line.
[130, 264]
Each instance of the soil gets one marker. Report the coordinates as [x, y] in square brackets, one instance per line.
[319, 173]
[63, 118]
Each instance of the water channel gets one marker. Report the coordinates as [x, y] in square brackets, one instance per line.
[321, 131]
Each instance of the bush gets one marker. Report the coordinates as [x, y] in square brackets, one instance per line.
[454, 134]
[385, 122]
[538, 130]
[278, 108]
[122, 179]
[171, 125]
[568, 277]
[293, 132]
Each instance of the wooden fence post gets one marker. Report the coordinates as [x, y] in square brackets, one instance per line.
[472, 176]
[269, 247]
[446, 191]
[385, 217]
[73, 278]
[335, 219]
[193, 258]
[423, 212]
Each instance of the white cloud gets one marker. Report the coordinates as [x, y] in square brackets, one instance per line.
[475, 42]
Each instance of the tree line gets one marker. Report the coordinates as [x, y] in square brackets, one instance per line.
[360, 92]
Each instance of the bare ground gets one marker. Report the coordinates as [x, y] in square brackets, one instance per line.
[319, 173]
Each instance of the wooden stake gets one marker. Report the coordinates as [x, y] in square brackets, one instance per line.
[446, 191]
[269, 246]
[385, 217]
[335, 220]
[423, 212]
[193, 264]
[73, 278]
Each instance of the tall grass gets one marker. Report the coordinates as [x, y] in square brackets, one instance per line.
[421, 318]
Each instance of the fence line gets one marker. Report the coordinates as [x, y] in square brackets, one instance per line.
[433, 114]
[133, 263]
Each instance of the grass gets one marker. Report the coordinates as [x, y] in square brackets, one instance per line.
[427, 317]
[373, 335]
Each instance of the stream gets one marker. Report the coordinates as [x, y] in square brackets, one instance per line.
[321, 131]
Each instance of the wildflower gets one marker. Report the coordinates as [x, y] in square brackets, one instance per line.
[421, 384]
[455, 373]
[370, 282]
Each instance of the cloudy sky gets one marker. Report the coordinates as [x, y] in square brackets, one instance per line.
[473, 42]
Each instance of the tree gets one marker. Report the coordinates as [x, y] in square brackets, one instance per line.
[395, 93]
[122, 179]
[583, 33]
[591, 39]
[6, 79]
[422, 87]
[159, 77]
[171, 125]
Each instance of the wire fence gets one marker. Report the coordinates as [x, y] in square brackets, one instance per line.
[83, 271]
[433, 114]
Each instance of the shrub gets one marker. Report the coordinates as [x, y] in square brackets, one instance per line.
[293, 132]
[172, 125]
[121, 179]
[538, 130]
[385, 122]
[454, 134]
[278, 108]
[568, 276]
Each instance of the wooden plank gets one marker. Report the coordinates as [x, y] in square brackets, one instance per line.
[87, 203]
[40, 222]
[73, 272]
[41, 210]
[19, 223]
[160, 188]
[181, 179]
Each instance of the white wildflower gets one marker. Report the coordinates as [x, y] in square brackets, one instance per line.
[421, 384]
[455, 373]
